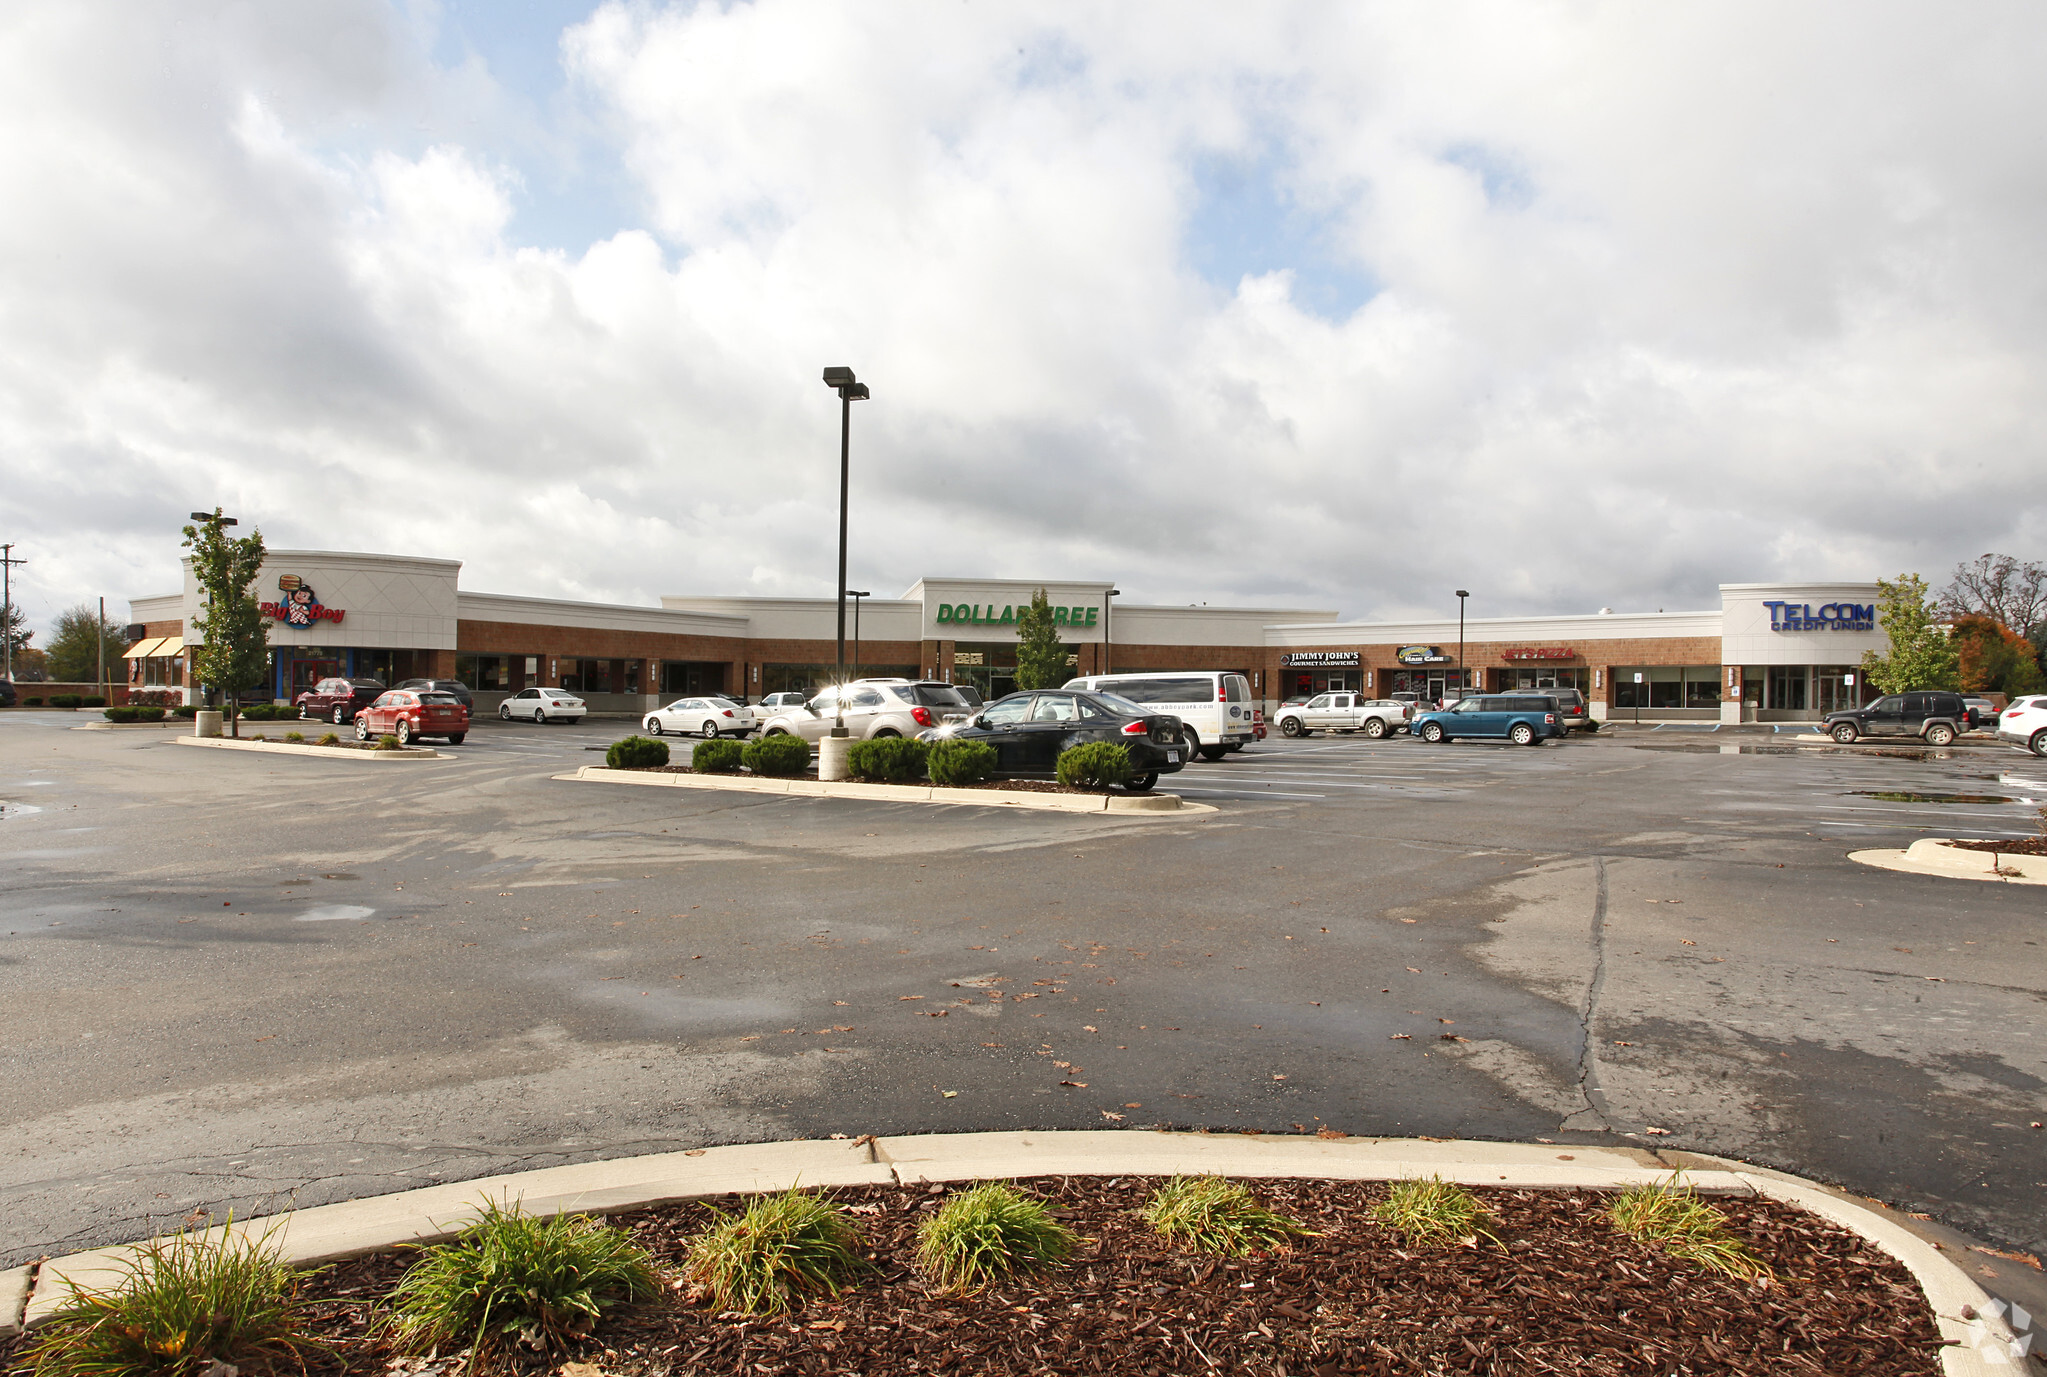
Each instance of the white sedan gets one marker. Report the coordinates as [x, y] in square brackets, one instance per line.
[543, 705]
[706, 717]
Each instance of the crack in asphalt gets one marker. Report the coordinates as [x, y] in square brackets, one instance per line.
[1588, 1047]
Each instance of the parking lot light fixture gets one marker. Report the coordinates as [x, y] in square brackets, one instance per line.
[1461, 685]
[850, 390]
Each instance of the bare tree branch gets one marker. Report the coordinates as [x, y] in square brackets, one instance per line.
[1998, 587]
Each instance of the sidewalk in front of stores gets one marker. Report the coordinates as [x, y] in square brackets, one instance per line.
[1950, 1269]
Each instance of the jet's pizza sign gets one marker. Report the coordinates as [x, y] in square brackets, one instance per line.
[300, 605]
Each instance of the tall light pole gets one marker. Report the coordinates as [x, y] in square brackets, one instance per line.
[1112, 593]
[7, 563]
[1461, 686]
[856, 627]
[850, 390]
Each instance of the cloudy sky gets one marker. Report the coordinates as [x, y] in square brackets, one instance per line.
[1329, 305]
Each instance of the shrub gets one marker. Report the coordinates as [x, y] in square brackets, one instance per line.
[65, 700]
[187, 1301]
[294, 736]
[781, 754]
[92, 700]
[1096, 765]
[1672, 1218]
[120, 714]
[990, 1232]
[1211, 1215]
[511, 1276]
[148, 714]
[712, 757]
[888, 757]
[1434, 1211]
[388, 742]
[636, 753]
[960, 762]
[31, 702]
[778, 1249]
[330, 739]
[188, 713]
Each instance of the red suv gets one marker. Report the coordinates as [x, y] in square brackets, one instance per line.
[405, 714]
[338, 700]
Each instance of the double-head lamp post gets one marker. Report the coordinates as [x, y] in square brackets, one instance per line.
[850, 390]
[1462, 594]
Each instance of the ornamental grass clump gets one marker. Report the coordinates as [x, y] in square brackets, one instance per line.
[1208, 1214]
[389, 743]
[637, 753]
[959, 762]
[514, 1278]
[780, 754]
[1672, 1218]
[187, 1302]
[1434, 1211]
[715, 757]
[779, 1250]
[294, 736]
[988, 1233]
[888, 758]
[330, 739]
[1096, 765]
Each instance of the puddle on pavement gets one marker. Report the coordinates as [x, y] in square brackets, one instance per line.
[17, 810]
[1901, 796]
[1712, 748]
[336, 913]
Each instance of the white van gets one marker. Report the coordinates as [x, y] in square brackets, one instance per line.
[1214, 707]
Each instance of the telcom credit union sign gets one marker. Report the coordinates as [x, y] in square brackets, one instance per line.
[1830, 616]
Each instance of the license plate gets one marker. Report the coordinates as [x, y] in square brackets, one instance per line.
[1172, 757]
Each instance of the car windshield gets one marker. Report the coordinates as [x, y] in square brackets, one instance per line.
[935, 695]
[1117, 703]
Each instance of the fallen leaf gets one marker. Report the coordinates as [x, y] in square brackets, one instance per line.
[1089, 1028]
[1332, 1134]
[950, 1094]
[2027, 1258]
[694, 1152]
[754, 1038]
[1446, 1020]
[1416, 969]
[1278, 1077]
[909, 996]
[1078, 1085]
[936, 1013]
[1133, 1106]
[1112, 1118]
[1451, 1037]
[1407, 920]
[1401, 1037]
[1658, 1132]
[1687, 942]
[991, 1044]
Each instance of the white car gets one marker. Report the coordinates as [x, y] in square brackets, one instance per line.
[2024, 723]
[543, 705]
[705, 717]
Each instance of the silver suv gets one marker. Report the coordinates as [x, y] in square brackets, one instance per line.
[872, 708]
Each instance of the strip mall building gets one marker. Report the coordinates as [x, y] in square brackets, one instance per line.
[1770, 652]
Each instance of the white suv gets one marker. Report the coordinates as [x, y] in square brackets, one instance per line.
[2024, 723]
[871, 708]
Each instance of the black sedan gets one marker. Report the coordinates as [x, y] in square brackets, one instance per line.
[1029, 730]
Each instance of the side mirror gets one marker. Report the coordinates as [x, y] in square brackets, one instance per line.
[978, 723]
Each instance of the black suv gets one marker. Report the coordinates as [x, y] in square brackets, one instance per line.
[1935, 717]
[455, 687]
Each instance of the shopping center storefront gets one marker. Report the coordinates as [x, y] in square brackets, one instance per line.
[1779, 652]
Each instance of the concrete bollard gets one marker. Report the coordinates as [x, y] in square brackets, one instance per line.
[207, 722]
[833, 753]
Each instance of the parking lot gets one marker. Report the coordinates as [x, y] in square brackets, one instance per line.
[229, 979]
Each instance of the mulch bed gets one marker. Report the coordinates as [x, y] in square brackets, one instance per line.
[2014, 846]
[1032, 786]
[1565, 1294]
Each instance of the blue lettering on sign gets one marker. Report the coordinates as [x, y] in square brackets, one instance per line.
[1832, 616]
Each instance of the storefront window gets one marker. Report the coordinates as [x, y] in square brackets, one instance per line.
[1835, 691]
[486, 673]
[1787, 687]
[1667, 686]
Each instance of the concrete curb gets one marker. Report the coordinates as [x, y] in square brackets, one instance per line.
[331, 1232]
[898, 793]
[131, 726]
[1933, 856]
[225, 743]
[15, 1284]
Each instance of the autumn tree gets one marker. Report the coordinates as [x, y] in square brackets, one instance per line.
[1040, 654]
[236, 653]
[1992, 658]
[1922, 656]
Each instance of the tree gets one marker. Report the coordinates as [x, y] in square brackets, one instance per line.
[1040, 654]
[15, 621]
[2000, 588]
[1922, 656]
[74, 650]
[236, 653]
[1995, 659]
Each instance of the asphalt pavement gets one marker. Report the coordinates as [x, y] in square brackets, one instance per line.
[236, 980]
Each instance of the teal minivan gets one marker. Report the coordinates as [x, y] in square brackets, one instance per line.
[1524, 719]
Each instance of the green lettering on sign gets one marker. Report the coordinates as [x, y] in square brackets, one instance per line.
[1008, 616]
[1091, 615]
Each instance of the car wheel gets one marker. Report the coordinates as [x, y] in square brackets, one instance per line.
[362, 730]
[1939, 734]
[774, 731]
[1143, 784]
[1844, 732]
[1432, 732]
[1190, 742]
[2038, 744]
[1375, 728]
[455, 738]
[1291, 726]
[338, 718]
[709, 732]
[884, 734]
[403, 732]
[1214, 752]
[1521, 734]
[504, 712]
[653, 726]
[1591, 726]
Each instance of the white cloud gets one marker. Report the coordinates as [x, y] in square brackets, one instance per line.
[1664, 296]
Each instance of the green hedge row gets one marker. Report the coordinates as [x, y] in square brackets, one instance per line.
[780, 754]
[134, 714]
[637, 753]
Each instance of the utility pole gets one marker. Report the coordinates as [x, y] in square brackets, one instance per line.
[7, 563]
[99, 640]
